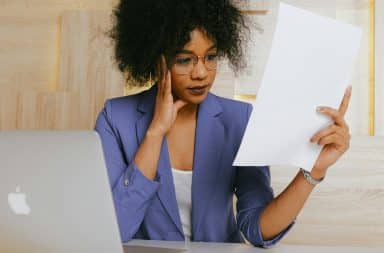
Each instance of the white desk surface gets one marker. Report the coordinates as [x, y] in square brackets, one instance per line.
[204, 247]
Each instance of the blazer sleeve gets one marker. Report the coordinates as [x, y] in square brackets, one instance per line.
[254, 192]
[132, 192]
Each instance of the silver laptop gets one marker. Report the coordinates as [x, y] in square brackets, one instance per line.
[55, 194]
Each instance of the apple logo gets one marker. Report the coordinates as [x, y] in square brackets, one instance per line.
[17, 202]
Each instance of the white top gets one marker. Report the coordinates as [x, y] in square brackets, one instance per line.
[183, 189]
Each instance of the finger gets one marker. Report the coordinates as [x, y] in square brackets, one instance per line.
[163, 66]
[160, 68]
[332, 139]
[345, 102]
[168, 85]
[179, 104]
[160, 83]
[343, 132]
[336, 116]
[324, 132]
[166, 77]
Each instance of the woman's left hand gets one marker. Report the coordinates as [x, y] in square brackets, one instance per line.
[335, 137]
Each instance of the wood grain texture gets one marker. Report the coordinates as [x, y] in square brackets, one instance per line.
[87, 78]
[39, 41]
[8, 109]
[58, 110]
[27, 111]
[348, 207]
[27, 52]
[86, 65]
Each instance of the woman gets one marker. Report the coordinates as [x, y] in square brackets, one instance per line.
[169, 150]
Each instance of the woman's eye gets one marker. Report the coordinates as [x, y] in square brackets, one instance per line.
[211, 57]
[184, 60]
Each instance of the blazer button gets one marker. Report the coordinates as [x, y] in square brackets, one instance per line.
[126, 182]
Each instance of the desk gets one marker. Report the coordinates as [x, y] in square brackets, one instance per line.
[204, 247]
[333, 214]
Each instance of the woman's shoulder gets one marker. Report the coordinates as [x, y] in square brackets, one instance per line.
[235, 116]
[234, 108]
[126, 104]
[128, 100]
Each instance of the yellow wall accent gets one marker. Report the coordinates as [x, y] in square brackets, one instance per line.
[372, 68]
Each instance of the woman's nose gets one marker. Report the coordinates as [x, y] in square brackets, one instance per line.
[199, 71]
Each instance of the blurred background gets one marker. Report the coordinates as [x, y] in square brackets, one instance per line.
[56, 64]
[57, 69]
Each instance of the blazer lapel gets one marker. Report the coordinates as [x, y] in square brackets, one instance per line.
[209, 140]
[166, 192]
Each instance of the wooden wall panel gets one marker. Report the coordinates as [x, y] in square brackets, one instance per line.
[348, 207]
[29, 40]
[85, 71]
[28, 52]
[58, 5]
[32, 48]
[27, 111]
[86, 62]
[57, 110]
[8, 109]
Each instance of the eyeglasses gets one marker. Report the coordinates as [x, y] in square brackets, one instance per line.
[184, 62]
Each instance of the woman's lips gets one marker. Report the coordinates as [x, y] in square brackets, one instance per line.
[197, 90]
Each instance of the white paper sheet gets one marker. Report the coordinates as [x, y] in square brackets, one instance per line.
[309, 66]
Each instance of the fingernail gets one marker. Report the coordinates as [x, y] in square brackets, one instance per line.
[349, 88]
[319, 109]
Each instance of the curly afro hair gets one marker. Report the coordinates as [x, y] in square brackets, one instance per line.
[143, 30]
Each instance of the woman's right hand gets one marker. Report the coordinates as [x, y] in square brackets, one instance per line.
[165, 109]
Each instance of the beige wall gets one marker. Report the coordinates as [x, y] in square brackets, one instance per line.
[380, 67]
[355, 12]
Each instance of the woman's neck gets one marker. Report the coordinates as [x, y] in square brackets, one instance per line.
[188, 111]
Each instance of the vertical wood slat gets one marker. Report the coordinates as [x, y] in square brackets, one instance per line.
[371, 67]
[57, 111]
[86, 65]
[27, 111]
[87, 78]
[75, 36]
[8, 109]
[38, 110]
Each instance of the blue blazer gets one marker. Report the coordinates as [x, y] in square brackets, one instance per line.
[148, 209]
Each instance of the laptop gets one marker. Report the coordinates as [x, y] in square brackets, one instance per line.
[55, 195]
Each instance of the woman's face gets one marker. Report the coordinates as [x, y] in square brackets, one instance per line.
[191, 80]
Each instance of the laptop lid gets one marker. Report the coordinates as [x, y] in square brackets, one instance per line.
[55, 194]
